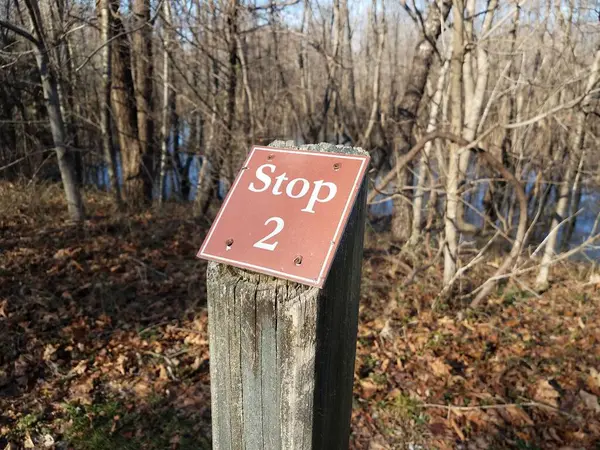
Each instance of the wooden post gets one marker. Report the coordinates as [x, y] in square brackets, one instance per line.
[281, 353]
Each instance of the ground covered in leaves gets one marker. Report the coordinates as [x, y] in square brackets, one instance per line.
[103, 343]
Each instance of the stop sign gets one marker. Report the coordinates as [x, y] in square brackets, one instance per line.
[286, 212]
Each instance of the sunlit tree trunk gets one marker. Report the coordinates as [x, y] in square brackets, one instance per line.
[105, 121]
[406, 111]
[436, 102]
[166, 106]
[208, 176]
[52, 102]
[450, 226]
[475, 84]
[562, 205]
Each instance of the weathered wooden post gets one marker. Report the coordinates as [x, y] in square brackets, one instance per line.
[282, 353]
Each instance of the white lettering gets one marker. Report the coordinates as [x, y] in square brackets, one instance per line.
[262, 176]
[314, 197]
[278, 227]
[280, 179]
[318, 194]
[290, 188]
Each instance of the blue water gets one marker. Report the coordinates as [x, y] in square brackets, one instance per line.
[584, 222]
[383, 206]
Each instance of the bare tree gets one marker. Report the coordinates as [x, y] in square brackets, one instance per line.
[52, 101]
[566, 185]
[106, 112]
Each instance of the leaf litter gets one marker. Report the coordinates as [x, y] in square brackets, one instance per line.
[103, 344]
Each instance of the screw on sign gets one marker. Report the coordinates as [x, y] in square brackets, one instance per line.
[286, 212]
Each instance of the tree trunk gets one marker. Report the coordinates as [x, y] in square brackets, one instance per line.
[107, 137]
[208, 176]
[406, 111]
[125, 111]
[541, 282]
[142, 57]
[57, 126]
[166, 110]
[436, 101]
[575, 203]
[475, 89]
[450, 227]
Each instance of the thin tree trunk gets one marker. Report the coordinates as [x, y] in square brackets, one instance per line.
[380, 30]
[166, 109]
[475, 89]
[208, 176]
[574, 204]
[425, 158]
[105, 122]
[450, 226]
[142, 54]
[541, 281]
[406, 111]
[52, 101]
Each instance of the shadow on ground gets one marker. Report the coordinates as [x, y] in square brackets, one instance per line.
[103, 333]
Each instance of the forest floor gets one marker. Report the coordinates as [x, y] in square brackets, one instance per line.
[103, 342]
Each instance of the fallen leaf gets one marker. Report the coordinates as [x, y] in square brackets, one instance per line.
[49, 352]
[80, 368]
[163, 374]
[440, 369]
[28, 443]
[545, 393]
[368, 388]
[593, 381]
[378, 443]
[47, 441]
[590, 401]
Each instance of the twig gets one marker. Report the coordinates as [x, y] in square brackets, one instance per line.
[500, 406]
[567, 219]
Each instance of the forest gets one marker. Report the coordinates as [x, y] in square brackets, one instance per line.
[124, 123]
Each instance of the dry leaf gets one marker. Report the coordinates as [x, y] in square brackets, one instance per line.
[590, 401]
[368, 388]
[378, 443]
[47, 441]
[593, 381]
[386, 333]
[545, 393]
[440, 369]
[163, 374]
[49, 352]
[459, 432]
[516, 416]
[80, 368]
[28, 443]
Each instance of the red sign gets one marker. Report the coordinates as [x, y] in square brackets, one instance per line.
[286, 212]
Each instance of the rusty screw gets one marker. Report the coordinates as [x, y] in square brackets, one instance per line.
[271, 156]
[229, 242]
[298, 260]
[337, 166]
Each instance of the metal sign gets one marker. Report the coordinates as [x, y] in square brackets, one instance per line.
[286, 212]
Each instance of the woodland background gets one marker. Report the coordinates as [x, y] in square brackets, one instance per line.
[122, 125]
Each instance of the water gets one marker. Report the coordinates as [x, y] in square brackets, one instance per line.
[383, 206]
[584, 222]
